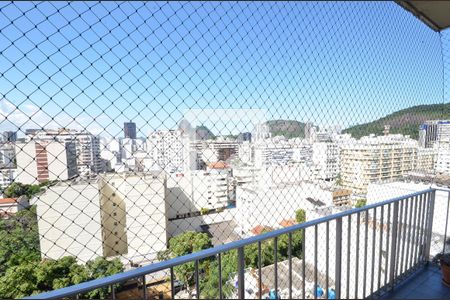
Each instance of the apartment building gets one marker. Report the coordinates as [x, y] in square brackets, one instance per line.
[118, 215]
[326, 157]
[443, 148]
[7, 155]
[374, 159]
[267, 205]
[378, 192]
[9, 136]
[426, 160]
[429, 132]
[89, 161]
[129, 130]
[7, 176]
[276, 151]
[190, 192]
[44, 160]
[171, 150]
[219, 150]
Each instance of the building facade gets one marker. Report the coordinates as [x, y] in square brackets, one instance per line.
[374, 159]
[45, 160]
[171, 151]
[89, 161]
[129, 130]
[118, 215]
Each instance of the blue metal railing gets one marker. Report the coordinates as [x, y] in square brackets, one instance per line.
[399, 231]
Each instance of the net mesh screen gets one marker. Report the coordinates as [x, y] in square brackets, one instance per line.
[136, 132]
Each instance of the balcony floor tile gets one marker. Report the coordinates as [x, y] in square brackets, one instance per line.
[426, 283]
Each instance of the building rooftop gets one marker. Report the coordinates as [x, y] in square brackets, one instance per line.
[8, 200]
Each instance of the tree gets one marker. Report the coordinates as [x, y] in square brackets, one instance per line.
[17, 189]
[300, 216]
[360, 203]
[19, 281]
[19, 239]
[296, 245]
[99, 268]
[35, 277]
[186, 243]
[209, 286]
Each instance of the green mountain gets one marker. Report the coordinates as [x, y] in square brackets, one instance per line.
[405, 121]
[287, 128]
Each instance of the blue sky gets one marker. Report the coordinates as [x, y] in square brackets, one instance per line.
[96, 65]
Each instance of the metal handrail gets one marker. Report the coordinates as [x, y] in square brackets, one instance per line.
[168, 264]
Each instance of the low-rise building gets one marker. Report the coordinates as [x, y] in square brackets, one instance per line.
[197, 191]
[10, 206]
[118, 215]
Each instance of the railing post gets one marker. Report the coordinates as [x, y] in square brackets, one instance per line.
[446, 224]
[241, 270]
[430, 226]
[338, 257]
[393, 245]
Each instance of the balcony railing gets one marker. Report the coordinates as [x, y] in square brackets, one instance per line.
[367, 252]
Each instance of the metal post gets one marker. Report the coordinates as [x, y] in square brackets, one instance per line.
[430, 225]
[374, 231]
[388, 231]
[338, 257]
[303, 264]
[290, 264]
[219, 261]
[349, 233]
[241, 271]
[275, 255]
[259, 271]
[446, 224]
[393, 244]
[197, 280]
[316, 239]
[358, 223]
[327, 246]
[144, 288]
[172, 283]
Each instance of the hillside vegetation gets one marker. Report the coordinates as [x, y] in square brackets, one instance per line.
[405, 121]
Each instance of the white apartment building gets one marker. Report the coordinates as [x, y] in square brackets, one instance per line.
[43, 160]
[326, 248]
[374, 159]
[130, 146]
[276, 151]
[7, 177]
[87, 147]
[261, 132]
[443, 147]
[7, 155]
[190, 192]
[218, 150]
[119, 215]
[245, 152]
[171, 150]
[269, 204]
[426, 160]
[326, 157]
[385, 191]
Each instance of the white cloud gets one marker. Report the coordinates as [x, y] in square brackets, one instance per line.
[28, 115]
